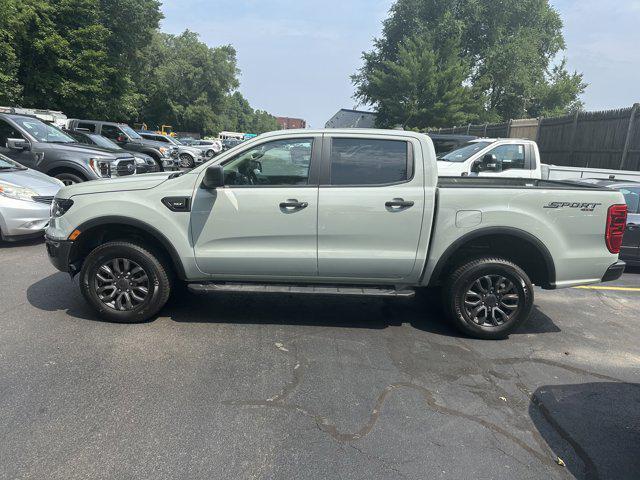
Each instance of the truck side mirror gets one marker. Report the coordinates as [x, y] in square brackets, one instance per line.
[213, 177]
[488, 163]
[17, 144]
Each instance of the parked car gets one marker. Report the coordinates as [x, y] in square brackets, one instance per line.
[630, 250]
[45, 148]
[188, 156]
[445, 143]
[127, 138]
[144, 163]
[336, 212]
[211, 148]
[229, 143]
[25, 200]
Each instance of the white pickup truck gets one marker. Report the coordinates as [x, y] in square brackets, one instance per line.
[347, 212]
[515, 158]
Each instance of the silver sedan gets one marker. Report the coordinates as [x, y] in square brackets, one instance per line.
[25, 200]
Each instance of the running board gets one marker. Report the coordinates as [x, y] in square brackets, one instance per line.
[367, 291]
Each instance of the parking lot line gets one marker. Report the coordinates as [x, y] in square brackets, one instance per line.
[619, 289]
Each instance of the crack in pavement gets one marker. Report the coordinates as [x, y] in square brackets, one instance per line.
[324, 424]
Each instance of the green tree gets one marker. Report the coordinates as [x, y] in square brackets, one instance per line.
[10, 89]
[421, 87]
[186, 82]
[509, 48]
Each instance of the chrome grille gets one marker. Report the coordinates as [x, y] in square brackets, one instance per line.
[124, 166]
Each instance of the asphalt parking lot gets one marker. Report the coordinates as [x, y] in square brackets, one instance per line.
[239, 386]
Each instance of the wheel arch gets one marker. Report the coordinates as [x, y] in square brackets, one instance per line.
[519, 246]
[67, 166]
[97, 231]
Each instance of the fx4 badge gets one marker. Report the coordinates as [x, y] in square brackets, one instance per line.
[584, 207]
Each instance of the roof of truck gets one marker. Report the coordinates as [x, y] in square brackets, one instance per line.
[345, 131]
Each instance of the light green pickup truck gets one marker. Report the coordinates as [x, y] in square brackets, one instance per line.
[350, 212]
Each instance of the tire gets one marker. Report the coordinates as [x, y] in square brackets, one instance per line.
[210, 154]
[157, 282]
[69, 178]
[500, 306]
[187, 161]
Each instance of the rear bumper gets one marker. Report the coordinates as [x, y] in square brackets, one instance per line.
[614, 272]
[59, 252]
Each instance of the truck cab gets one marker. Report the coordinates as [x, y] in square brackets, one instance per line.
[491, 157]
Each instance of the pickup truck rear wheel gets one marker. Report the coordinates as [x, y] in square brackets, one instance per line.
[124, 282]
[488, 297]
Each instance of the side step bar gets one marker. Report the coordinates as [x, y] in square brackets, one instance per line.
[368, 291]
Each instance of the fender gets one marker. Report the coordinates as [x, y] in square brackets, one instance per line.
[515, 232]
[75, 165]
[132, 222]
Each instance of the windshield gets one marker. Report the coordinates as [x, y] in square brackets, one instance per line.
[104, 142]
[131, 133]
[43, 132]
[175, 141]
[465, 152]
[7, 164]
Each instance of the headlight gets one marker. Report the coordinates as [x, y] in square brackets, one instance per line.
[140, 161]
[165, 151]
[100, 166]
[60, 206]
[17, 192]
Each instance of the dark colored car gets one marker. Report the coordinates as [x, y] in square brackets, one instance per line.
[127, 138]
[144, 163]
[630, 251]
[230, 143]
[43, 147]
[445, 143]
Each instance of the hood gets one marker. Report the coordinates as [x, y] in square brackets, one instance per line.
[151, 143]
[43, 185]
[450, 169]
[128, 183]
[83, 149]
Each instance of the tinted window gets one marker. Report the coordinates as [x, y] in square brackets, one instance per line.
[632, 198]
[86, 126]
[111, 131]
[281, 162]
[358, 161]
[510, 156]
[6, 132]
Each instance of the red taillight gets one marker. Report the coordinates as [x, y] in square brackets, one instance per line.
[616, 225]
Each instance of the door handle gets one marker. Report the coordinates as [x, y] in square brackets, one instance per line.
[398, 204]
[293, 205]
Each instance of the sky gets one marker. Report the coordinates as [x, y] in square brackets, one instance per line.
[296, 56]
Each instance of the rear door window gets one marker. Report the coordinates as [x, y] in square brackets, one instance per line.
[86, 126]
[363, 161]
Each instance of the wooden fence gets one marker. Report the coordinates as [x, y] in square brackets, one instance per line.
[607, 139]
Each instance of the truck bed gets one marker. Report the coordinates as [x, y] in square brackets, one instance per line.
[503, 182]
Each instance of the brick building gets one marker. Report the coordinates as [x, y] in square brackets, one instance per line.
[287, 123]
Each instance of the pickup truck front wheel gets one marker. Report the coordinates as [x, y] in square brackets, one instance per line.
[488, 297]
[124, 282]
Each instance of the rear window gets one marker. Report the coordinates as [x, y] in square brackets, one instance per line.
[632, 199]
[362, 161]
